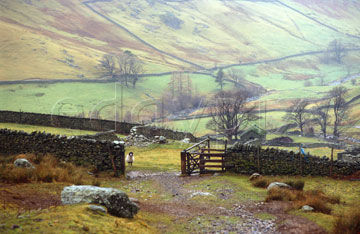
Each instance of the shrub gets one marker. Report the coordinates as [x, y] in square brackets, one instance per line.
[16, 175]
[316, 199]
[261, 182]
[317, 203]
[280, 194]
[297, 185]
[47, 170]
[348, 223]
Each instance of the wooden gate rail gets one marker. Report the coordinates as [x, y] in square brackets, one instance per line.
[195, 158]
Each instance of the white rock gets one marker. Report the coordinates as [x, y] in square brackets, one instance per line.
[254, 176]
[278, 185]
[201, 194]
[186, 140]
[307, 208]
[97, 209]
[22, 162]
[116, 201]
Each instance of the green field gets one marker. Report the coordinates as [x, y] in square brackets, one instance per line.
[76, 98]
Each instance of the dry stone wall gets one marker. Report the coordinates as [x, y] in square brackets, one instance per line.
[65, 122]
[70, 149]
[152, 131]
[247, 159]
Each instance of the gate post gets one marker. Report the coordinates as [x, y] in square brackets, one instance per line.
[202, 164]
[183, 162]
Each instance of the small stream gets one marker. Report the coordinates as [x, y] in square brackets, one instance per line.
[345, 79]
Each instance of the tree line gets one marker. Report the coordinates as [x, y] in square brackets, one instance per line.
[333, 110]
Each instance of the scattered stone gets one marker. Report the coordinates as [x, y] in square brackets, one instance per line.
[132, 199]
[15, 226]
[201, 194]
[22, 162]
[278, 185]
[307, 208]
[116, 201]
[134, 174]
[100, 209]
[254, 176]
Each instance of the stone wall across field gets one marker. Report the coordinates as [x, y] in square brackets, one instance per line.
[247, 159]
[65, 122]
[100, 154]
[152, 131]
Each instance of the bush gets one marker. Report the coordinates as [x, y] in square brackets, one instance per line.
[348, 223]
[261, 182]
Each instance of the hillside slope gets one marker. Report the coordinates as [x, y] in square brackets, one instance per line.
[65, 39]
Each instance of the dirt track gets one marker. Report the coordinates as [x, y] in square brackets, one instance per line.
[203, 216]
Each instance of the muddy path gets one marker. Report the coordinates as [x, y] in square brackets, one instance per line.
[201, 205]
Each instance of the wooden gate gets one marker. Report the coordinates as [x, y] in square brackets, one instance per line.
[201, 158]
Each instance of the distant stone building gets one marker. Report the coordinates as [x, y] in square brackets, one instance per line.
[253, 133]
[350, 155]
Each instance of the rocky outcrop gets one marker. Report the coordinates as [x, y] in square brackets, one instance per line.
[116, 201]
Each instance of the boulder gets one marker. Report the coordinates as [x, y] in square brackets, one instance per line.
[278, 185]
[116, 201]
[307, 208]
[22, 162]
[254, 176]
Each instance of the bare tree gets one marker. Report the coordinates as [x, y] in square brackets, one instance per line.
[338, 50]
[236, 76]
[108, 65]
[230, 112]
[340, 108]
[129, 67]
[220, 78]
[136, 70]
[179, 93]
[322, 115]
[297, 113]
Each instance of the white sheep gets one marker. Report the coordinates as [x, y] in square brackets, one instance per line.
[130, 158]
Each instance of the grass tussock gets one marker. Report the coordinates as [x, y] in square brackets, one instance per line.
[297, 185]
[47, 169]
[348, 223]
[315, 198]
[261, 182]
